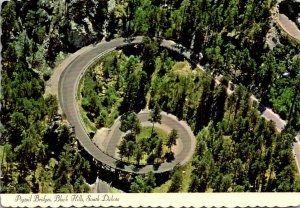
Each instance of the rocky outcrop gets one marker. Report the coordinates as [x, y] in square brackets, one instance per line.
[80, 35]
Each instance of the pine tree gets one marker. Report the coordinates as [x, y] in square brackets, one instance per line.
[155, 116]
[130, 121]
[176, 182]
[204, 107]
[149, 53]
[172, 137]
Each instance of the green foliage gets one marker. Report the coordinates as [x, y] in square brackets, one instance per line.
[155, 116]
[172, 137]
[142, 20]
[149, 53]
[297, 184]
[176, 181]
[130, 122]
[147, 147]
[143, 184]
[231, 35]
[224, 159]
[236, 152]
[33, 135]
[111, 87]
[243, 152]
[47, 29]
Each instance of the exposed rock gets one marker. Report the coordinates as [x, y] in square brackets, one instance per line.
[77, 36]
[272, 38]
[89, 26]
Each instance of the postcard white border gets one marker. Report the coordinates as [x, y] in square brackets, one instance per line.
[153, 200]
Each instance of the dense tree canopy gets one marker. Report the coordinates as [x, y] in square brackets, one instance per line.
[236, 149]
[39, 153]
[232, 37]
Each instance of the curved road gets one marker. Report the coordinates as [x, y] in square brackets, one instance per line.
[288, 26]
[67, 90]
[68, 86]
[184, 134]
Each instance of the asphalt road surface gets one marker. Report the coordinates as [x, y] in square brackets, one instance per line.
[68, 86]
[288, 26]
[184, 134]
[67, 92]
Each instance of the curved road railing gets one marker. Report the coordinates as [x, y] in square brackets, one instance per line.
[68, 85]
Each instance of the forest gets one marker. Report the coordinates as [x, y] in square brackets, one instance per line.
[231, 34]
[39, 150]
[237, 150]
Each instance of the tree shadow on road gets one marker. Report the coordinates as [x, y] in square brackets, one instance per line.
[169, 156]
[156, 166]
[120, 164]
[115, 178]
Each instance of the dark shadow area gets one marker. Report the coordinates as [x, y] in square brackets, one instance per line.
[176, 56]
[261, 108]
[291, 9]
[92, 175]
[169, 156]
[196, 58]
[150, 159]
[132, 49]
[92, 134]
[129, 39]
[122, 180]
[136, 50]
[137, 168]
[120, 164]
[156, 166]
[115, 178]
[161, 178]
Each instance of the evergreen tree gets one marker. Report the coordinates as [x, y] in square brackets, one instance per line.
[143, 184]
[176, 182]
[172, 137]
[130, 122]
[155, 116]
[148, 55]
[204, 107]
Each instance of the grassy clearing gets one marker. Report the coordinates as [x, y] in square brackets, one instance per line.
[182, 68]
[296, 168]
[146, 133]
[186, 175]
[163, 188]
